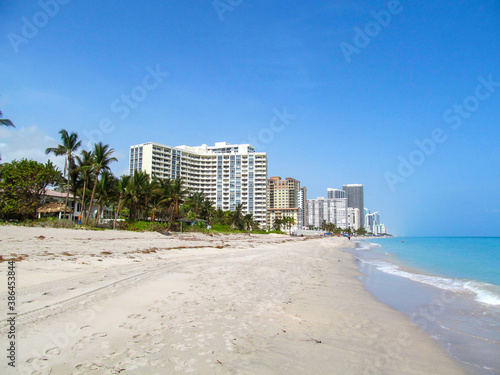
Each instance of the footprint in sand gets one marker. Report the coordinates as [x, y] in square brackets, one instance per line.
[136, 316]
[132, 354]
[48, 372]
[82, 343]
[53, 351]
[99, 334]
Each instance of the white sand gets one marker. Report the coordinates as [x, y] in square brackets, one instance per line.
[108, 302]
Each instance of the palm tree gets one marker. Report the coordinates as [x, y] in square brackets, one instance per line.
[207, 210]
[289, 221]
[105, 190]
[75, 182]
[102, 159]
[122, 189]
[177, 197]
[361, 231]
[155, 201]
[219, 217]
[164, 192]
[84, 169]
[70, 144]
[136, 193]
[278, 223]
[195, 201]
[248, 222]
[238, 216]
[5, 122]
[324, 225]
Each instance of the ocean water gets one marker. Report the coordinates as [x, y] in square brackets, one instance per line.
[448, 286]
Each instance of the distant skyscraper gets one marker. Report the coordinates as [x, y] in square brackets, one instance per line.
[336, 193]
[332, 211]
[283, 200]
[372, 223]
[355, 196]
[302, 207]
[354, 219]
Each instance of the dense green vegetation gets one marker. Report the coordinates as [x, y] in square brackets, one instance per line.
[22, 185]
[138, 202]
[331, 228]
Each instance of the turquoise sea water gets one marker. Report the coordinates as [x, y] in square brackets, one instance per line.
[448, 286]
[461, 264]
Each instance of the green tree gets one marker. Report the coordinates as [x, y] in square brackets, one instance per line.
[220, 217]
[22, 185]
[136, 193]
[237, 216]
[68, 147]
[84, 170]
[177, 197]
[105, 192]
[361, 231]
[248, 222]
[207, 210]
[194, 202]
[324, 225]
[278, 222]
[164, 191]
[289, 221]
[122, 188]
[101, 160]
[75, 183]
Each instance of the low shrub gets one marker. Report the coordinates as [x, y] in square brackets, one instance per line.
[50, 222]
[143, 226]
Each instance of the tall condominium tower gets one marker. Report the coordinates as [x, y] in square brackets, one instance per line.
[302, 207]
[332, 211]
[336, 193]
[227, 174]
[355, 197]
[283, 199]
[354, 218]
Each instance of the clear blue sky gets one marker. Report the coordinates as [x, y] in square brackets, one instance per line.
[360, 101]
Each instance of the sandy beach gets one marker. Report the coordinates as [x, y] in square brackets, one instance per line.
[112, 302]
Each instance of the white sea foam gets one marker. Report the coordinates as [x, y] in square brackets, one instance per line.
[366, 245]
[483, 292]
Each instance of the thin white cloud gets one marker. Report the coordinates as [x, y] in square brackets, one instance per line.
[29, 143]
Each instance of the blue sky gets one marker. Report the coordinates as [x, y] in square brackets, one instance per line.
[223, 74]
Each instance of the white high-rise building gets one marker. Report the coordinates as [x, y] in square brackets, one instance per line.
[372, 221]
[354, 218]
[336, 193]
[227, 174]
[328, 210]
[302, 207]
